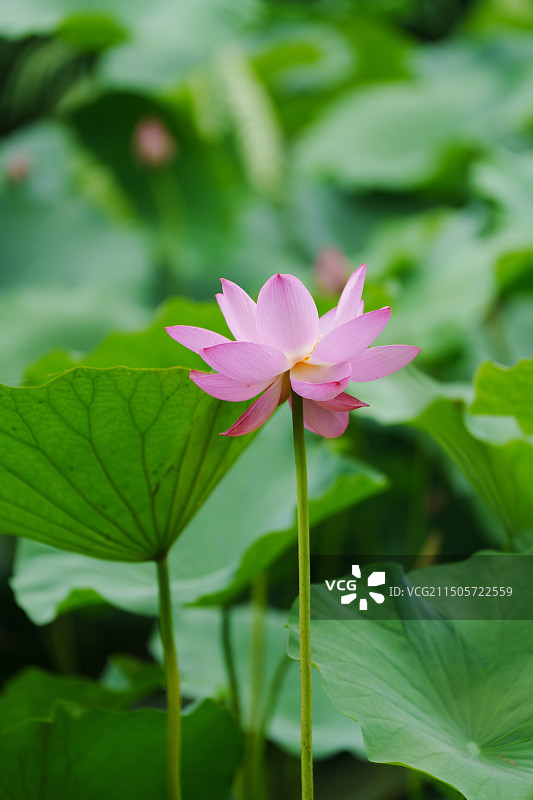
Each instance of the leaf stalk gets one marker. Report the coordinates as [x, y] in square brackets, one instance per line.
[172, 684]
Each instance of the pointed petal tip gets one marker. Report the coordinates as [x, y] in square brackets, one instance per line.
[232, 433]
[343, 402]
[193, 338]
[287, 316]
[379, 362]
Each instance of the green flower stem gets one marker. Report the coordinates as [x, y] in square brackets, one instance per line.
[304, 595]
[172, 683]
[257, 660]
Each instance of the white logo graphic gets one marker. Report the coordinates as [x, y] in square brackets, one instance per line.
[374, 579]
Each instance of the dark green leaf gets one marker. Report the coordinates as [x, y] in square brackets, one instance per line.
[85, 755]
[34, 694]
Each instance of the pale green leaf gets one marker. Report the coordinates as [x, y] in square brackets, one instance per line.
[497, 460]
[450, 698]
[505, 391]
[499, 473]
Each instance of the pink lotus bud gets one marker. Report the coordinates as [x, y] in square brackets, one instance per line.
[153, 144]
[331, 270]
[18, 167]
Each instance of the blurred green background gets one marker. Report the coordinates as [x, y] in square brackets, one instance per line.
[149, 148]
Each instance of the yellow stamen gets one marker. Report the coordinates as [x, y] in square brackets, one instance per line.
[311, 353]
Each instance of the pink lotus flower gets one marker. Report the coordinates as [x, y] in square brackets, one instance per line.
[282, 346]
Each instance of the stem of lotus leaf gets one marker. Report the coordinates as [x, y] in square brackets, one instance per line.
[172, 684]
[229, 662]
[304, 597]
[256, 741]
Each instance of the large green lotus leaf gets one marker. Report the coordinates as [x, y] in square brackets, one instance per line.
[82, 755]
[111, 463]
[505, 391]
[495, 457]
[499, 473]
[247, 523]
[203, 673]
[34, 694]
[449, 698]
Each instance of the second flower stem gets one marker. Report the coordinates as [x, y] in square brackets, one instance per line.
[304, 596]
[172, 684]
